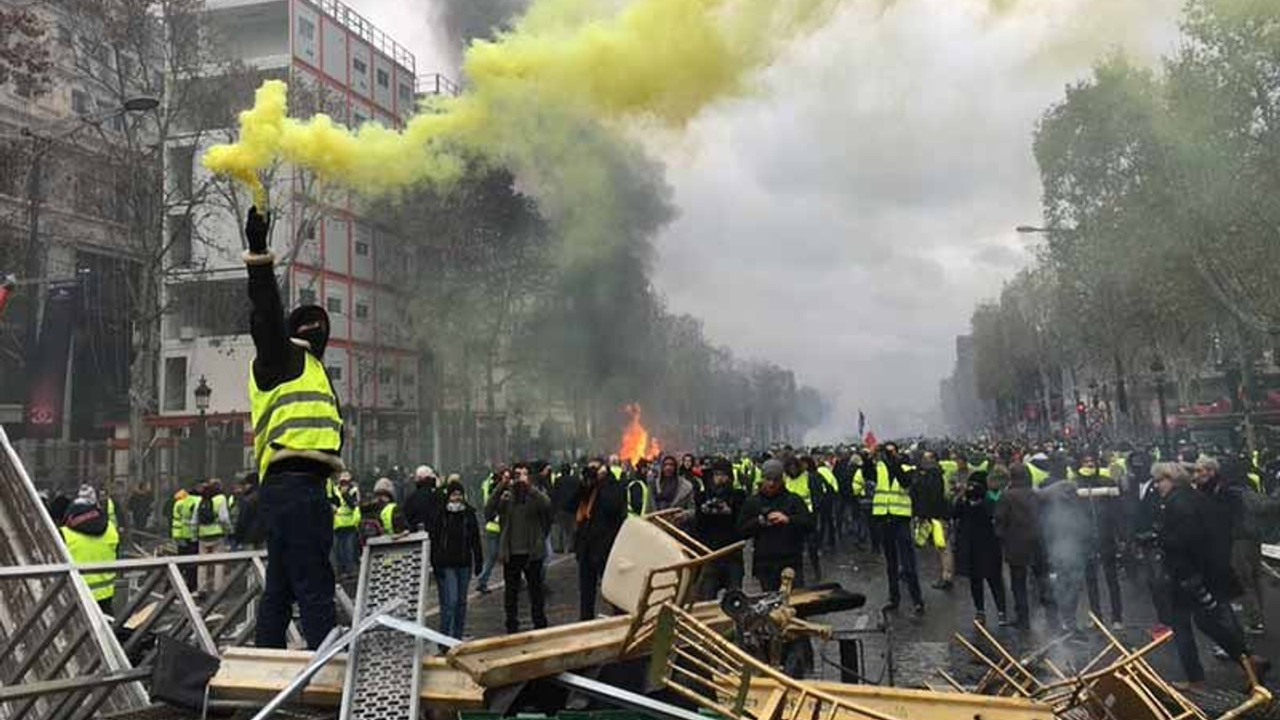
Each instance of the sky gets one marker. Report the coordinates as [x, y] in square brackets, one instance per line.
[845, 218]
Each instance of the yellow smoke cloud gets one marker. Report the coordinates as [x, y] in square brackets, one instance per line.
[565, 63]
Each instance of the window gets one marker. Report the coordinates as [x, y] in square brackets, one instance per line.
[406, 95]
[335, 373]
[385, 376]
[362, 311]
[334, 305]
[362, 248]
[306, 29]
[308, 230]
[306, 296]
[175, 384]
[182, 168]
[180, 239]
[359, 66]
[384, 78]
[407, 380]
[79, 102]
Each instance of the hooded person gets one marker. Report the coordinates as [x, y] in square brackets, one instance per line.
[90, 538]
[673, 490]
[776, 520]
[426, 500]
[455, 553]
[297, 428]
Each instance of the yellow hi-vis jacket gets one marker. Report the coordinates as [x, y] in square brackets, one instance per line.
[213, 529]
[800, 486]
[486, 489]
[345, 515]
[298, 417]
[180, 518]
[890, 498]
[644, 497]
[90, 549]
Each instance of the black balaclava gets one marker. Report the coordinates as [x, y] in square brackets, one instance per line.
[310, 323]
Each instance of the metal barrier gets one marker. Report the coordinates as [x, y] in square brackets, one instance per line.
[154, 596]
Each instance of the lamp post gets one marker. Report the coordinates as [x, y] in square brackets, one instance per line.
[203, 391]
[1157, 370]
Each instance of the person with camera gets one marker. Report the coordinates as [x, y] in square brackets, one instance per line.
[523, 513]
[601, 510]
[777, 520]
[716, 525]
[1197, 575]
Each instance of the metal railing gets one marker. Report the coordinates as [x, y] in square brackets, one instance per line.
[154, 596]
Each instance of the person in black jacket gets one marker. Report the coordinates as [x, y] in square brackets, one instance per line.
[455, 552]
[716, 525]
[426, 501]
[564, 504]
[930, 510]
[602, 508]
[1193, 575]
[777, 520]
[248, 532]
[978, 553]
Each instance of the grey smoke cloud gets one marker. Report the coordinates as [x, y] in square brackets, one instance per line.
[845, 219]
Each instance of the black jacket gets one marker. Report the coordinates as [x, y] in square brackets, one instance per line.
[455, 539]
[716, 512]
[249, 528]
[423, 505]
[1186, 542]
[775, 543]
[929, 494]
[564, 494]
[594, 538]
[977, 550]
[1221, 509]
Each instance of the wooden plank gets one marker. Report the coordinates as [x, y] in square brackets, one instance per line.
[257, 675]
[509, 659]
[903, 704]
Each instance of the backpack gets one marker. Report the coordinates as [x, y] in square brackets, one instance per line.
[205, 514]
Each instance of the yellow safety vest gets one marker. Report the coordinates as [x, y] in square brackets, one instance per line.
[829, 477]
[617, 472]
[1038, 476]
[800, 486]
[388, 512]
[486, 489]
[344, 516]
[180, 518]
[213, 529]
[301, 414]
[890, 498]
[89, 549]
[111, 512]
[644, 495]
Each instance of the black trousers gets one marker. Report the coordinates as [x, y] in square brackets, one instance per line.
[299, 522]
[997, 592]
[589, 575]
[723, 574]
[189, 547]
[1108, 562]
[1218, 623]
[512, 570]
[827, 521]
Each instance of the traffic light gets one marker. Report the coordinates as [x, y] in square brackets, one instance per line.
[1080, 407]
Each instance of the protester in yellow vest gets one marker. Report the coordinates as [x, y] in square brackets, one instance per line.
[345, 498]
[212, 524]
[91, 538]
[297, 439]
[182, 529]
[891, 511]
[492, 529]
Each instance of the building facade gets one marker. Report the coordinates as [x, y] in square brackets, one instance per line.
[328, 252]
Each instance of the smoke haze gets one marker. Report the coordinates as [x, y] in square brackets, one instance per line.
[844, 219]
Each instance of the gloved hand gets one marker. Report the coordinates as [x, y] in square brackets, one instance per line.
[255, 230]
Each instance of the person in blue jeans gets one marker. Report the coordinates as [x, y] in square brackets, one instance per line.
[492, 530]
[455, 551]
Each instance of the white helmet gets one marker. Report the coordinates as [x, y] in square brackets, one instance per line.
[423, 472]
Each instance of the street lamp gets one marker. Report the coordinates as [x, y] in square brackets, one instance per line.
[1157, 369]
[203, 391]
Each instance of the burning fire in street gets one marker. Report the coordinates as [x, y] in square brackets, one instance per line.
[636, 441]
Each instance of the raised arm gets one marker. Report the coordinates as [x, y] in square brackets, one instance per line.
[266, 323]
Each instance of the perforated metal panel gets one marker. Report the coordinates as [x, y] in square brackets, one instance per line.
[385, 668]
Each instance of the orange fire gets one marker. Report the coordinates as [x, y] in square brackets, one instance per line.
[636, 441]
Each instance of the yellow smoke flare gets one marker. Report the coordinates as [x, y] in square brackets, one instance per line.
[662, 60]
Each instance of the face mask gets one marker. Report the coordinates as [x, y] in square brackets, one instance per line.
[455, 506]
